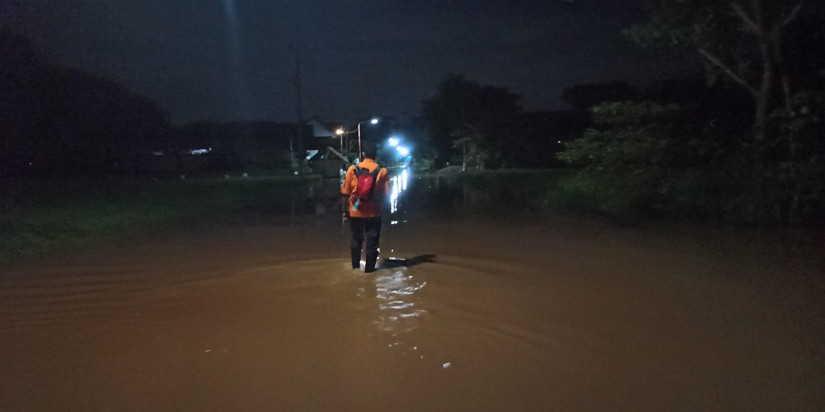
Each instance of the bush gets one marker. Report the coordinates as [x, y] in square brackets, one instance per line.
[520, 190]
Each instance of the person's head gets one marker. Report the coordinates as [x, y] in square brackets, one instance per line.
[368, 150]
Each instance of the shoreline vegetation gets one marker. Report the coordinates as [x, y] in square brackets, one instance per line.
[46, 216]
[40, 216]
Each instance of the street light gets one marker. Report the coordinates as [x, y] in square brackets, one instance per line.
[374, 120]
[341, 132]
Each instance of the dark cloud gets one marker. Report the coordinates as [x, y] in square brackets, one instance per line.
[226, 59]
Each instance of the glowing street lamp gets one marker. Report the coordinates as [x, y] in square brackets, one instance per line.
[374, 120]
[341, 132]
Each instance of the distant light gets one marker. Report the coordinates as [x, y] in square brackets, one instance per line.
[403, 150]
[559, 142]
[374, 120]
[393, 142]
[339, 132]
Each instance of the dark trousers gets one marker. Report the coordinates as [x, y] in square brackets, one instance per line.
[369, 229]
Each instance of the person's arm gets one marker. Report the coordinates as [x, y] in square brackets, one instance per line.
[349, 182]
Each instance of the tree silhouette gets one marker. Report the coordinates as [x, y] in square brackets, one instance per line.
[465, 117]
[59, 120]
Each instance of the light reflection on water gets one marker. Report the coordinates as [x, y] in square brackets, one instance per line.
[400, 307]
[398, 184]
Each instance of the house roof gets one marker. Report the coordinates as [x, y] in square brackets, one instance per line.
[320, 128]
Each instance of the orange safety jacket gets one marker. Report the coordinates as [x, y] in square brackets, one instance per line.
[379, 194]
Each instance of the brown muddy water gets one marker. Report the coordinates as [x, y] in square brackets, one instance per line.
[475, 314]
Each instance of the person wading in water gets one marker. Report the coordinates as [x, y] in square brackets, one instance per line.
[366, 185]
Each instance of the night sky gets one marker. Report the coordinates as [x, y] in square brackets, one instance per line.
[225, 59]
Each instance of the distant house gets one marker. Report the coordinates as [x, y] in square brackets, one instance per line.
[324, 138]
[321, 129]
[262, 144]
[323, 134]
[324, 147]
[241, 144]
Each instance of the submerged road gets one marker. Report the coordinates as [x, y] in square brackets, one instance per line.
[471, 313]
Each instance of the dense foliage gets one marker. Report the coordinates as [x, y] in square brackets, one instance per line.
[643, 159]
[746, 146]
[484, 127]
[473, 118]
[42, 215]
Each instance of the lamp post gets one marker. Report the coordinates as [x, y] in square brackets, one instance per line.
[374, 120]
[341, 132]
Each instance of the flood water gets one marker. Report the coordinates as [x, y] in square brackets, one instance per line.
[468, 313]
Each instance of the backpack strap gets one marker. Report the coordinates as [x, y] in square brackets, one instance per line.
[374, 175]
[364, 171]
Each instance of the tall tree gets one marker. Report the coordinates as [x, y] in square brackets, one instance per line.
[756, 45]
[741, 40]
[582, 97]
[472, 120]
